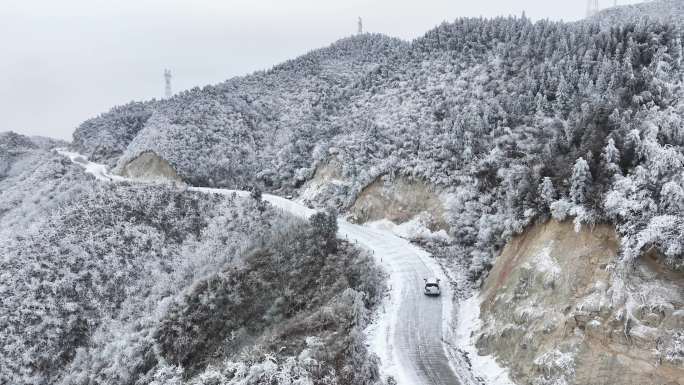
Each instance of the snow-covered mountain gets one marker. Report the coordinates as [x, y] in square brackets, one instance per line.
[138, 284]
[474, 138]
[489, 111]
[665, 10]
[230, 130]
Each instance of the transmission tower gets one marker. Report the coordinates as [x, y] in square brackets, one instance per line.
[592, 7]
[167, 78]
[360, 25]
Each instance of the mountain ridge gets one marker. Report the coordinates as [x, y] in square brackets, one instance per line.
[503, 124]
[489, 108]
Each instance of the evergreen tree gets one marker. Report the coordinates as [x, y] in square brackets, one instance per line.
[633, 149]
[610, 158]
[563, 102]
[324, 226]
[541, 104]
[581, 181]
[547, 192]
[672, 198]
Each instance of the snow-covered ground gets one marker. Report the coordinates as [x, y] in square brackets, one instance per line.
[412, 229]
[461, 324]
[99, 171]
[483, 367]
[410, 330]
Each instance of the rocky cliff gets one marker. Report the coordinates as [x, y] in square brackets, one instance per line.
[400, 199]
[150, 167]
[557, 309]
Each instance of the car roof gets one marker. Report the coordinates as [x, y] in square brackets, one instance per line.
[431, 281]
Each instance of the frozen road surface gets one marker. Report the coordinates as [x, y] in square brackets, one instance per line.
[408, 333]
[408, 337]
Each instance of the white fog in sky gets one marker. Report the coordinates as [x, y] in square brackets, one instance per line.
[64, 61]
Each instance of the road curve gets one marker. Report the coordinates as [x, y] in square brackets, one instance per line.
[408, 335]
[414, 349]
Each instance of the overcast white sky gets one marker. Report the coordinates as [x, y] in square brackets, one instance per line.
[64, 61]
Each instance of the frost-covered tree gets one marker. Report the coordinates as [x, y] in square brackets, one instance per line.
[610, 158]
[324, 225]
[547, 192]
[476, 103]
[563, 103]
[581, 182]
[672, 198]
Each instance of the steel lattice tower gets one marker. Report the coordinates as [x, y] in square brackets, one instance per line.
[167, 78]
[592, 7]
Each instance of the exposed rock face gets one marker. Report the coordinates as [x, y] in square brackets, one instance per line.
[150, 167]
[327, 187]
[399, 200]
[557, 310]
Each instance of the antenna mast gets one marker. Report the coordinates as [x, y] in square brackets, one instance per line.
[592, 7]
[360, 25]
[167, 78]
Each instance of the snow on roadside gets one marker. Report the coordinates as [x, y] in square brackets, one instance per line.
[467, 327]
[413, 229]
[461, 325]
[99, 171]
[381, 330]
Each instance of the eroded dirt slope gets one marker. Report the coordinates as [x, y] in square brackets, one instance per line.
[399, 200]
[557, 309]
[150, 167]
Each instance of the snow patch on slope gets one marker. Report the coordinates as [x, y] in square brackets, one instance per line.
[544, 262]
[468, 326]
[316, 188]
[413, 229]
[99, 171]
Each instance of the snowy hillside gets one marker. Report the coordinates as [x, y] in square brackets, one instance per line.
[515, 120]
[664, 10]
[250, 121]
[96, 276]
[14, 148]
[463, 141]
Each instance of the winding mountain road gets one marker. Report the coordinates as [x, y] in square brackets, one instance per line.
[408, 333]
[408, 336]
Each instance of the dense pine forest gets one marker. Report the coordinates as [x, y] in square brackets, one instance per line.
[518, 121]
[120, 283]
[521, 120]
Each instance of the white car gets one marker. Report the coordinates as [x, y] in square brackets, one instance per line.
[432, 287]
